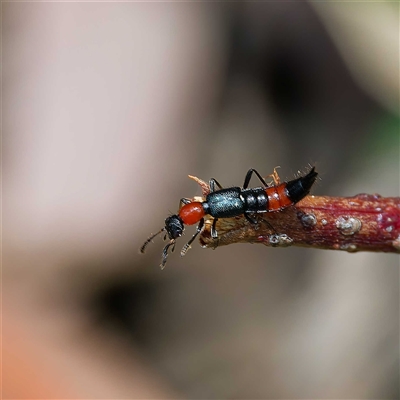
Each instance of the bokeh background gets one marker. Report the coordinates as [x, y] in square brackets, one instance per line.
[107, 107]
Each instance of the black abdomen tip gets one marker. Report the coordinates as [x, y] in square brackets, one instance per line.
[300, 187]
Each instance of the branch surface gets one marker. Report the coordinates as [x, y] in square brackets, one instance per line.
[360, 223]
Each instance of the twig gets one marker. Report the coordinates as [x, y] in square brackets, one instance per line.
[359, 223]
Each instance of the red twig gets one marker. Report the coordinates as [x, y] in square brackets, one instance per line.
[360, 223]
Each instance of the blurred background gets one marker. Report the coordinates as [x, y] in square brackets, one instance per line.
[107, 107]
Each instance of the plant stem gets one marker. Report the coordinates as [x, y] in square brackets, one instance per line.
[359, 223]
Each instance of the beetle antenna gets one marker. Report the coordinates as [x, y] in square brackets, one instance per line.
[143, 248]
[165, 252]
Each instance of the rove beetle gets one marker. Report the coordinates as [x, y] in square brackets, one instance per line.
[231, 202]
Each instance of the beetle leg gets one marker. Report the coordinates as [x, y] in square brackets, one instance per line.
[186, 247]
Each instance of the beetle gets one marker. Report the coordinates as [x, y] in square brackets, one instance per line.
[231, 202]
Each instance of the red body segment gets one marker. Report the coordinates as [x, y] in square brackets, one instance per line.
[192, 213]
[278, 198]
